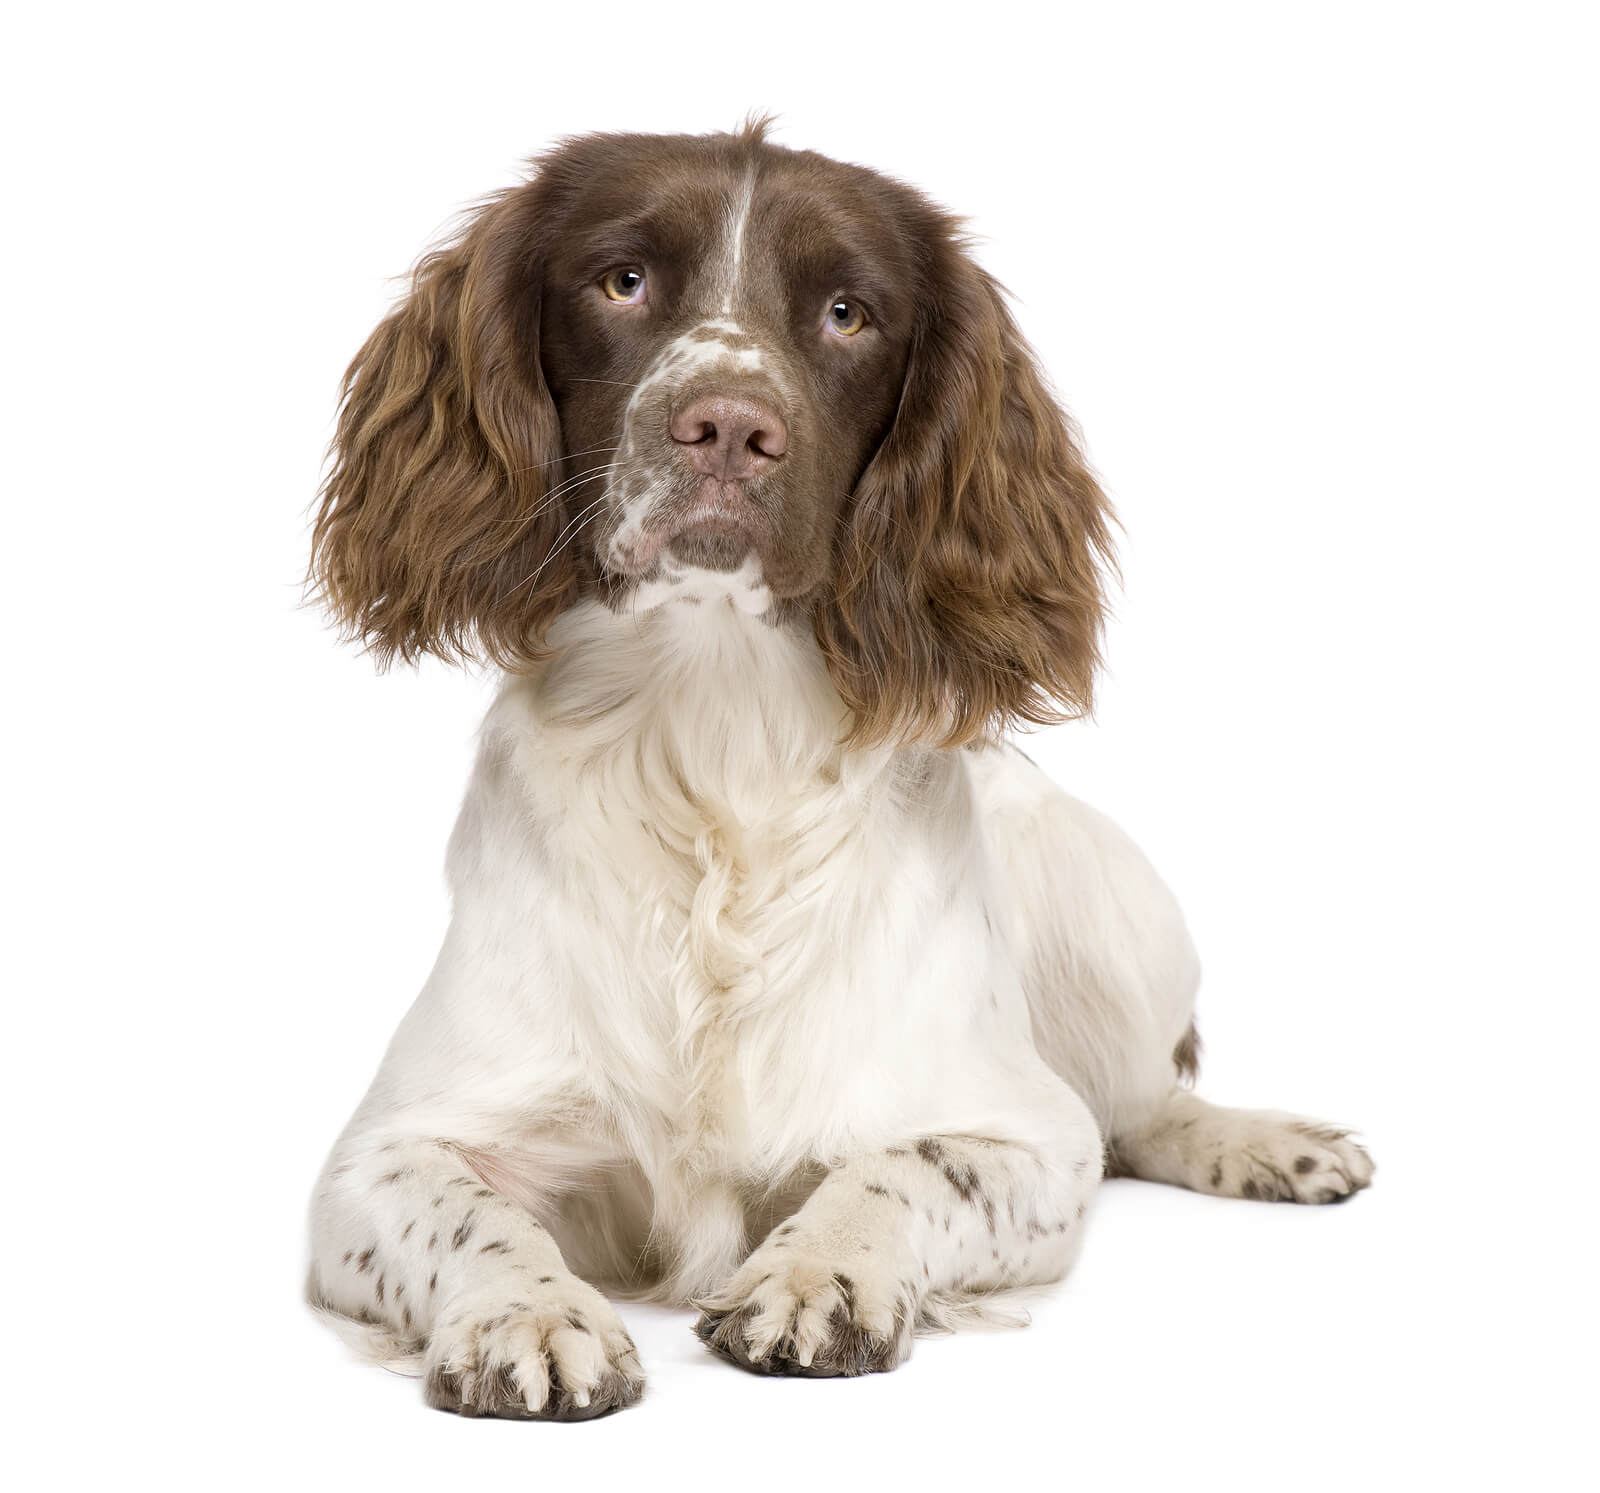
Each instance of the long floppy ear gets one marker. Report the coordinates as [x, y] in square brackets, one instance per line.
[969, 594]
[433, 534]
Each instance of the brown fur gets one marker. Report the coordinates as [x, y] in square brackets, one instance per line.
[969, 592]
[1186, 1055]
[954, 587]
[433, 519]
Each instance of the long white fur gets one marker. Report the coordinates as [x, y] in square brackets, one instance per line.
[695, 937]
[701, 956]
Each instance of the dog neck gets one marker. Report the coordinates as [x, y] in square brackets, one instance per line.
[695, 690]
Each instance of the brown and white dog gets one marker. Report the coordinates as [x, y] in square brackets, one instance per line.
[775, 982]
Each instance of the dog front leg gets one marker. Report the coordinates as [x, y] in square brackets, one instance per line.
[839, 1287]
[406, 1236]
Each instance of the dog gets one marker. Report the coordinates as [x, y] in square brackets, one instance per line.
[777, 983]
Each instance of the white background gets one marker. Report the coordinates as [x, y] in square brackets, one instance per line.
[1320, 283]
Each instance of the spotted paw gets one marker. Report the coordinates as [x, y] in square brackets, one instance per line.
[789, 1312]
[558, 1351]
[1295, 1161]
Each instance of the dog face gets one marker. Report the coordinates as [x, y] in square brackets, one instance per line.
[666, 352]
[725, 336]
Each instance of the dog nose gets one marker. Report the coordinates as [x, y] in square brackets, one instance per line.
[730, 438]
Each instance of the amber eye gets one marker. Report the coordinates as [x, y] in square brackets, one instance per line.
[624, 285]
[846, 318]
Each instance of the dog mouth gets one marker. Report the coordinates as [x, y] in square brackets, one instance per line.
[713, 525]
[717, 530]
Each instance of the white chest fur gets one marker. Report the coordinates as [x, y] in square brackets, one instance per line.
[696, 939]
[734, 915]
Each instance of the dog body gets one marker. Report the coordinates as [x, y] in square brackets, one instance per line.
[774, 981]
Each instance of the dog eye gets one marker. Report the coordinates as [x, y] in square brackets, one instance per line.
[846, 318]
[625, 286]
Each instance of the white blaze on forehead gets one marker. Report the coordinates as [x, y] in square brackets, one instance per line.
[738, 216]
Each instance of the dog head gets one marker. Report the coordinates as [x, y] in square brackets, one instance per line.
[667, 355]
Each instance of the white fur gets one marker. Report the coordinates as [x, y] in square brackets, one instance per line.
[744, 589]
[707, 970]
[738, 217]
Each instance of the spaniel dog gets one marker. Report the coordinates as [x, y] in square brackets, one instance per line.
[776, 982]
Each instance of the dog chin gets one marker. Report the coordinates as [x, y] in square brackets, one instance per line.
[696, 575]
[713, 545]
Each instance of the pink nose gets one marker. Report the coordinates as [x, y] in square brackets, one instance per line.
[730, 438]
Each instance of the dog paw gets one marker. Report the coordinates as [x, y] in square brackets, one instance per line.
[558, 1351]
[789, 1312]
[1297, 1161]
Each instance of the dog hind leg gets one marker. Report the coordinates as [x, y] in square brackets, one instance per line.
[1243, 1153]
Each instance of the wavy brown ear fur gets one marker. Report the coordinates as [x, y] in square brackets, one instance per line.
[969, 594]
[434, 534]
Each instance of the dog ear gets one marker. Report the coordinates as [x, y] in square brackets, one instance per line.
[969, 581]
[434, 533]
